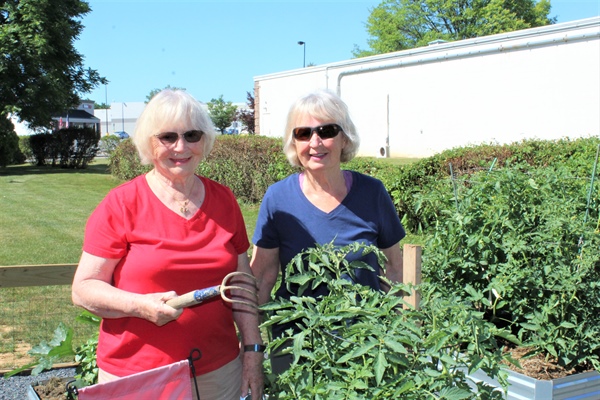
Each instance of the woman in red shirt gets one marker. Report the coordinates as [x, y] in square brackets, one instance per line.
[165, 233]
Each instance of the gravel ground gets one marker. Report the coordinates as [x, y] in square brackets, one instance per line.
[15, 387]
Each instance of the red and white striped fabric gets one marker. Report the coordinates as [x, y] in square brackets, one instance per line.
[171, 382]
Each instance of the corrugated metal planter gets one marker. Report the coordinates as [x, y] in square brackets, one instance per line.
[584, 386]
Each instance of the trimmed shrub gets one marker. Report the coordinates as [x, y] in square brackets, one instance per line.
[69, 148]
[247, 164]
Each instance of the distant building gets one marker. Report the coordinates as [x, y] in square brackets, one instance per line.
[80, 117]
[540, 83]
[120, 117]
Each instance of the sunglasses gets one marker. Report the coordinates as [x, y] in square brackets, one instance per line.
[192, 136]
[327, 131]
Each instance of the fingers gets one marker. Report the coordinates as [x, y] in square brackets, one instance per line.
[156, 311]
[253, 377]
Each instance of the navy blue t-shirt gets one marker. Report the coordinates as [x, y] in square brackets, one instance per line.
[289, 221]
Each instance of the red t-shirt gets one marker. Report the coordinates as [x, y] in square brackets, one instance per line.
[162, 251]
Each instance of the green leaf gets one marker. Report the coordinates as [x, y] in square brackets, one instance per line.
[380, 366]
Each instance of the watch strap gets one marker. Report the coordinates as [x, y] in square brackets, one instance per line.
[259, 348]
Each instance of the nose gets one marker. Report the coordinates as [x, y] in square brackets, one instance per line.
[179, 144]
[315, 139]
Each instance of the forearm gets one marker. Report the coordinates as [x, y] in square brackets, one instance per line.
[93, 290]
[106, 301]
[265, 267]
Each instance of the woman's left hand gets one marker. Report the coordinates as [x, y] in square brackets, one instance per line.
[253, 378]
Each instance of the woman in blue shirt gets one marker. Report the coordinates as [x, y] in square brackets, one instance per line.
[323, 203]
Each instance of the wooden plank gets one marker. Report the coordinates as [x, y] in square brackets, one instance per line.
[412, 271]
[36, 275]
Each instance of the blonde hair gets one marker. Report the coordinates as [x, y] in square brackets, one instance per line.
[323, 105]
[165, 107]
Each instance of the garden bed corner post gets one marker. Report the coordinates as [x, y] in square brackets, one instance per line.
[412, 271]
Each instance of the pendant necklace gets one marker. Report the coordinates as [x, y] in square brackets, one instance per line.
[183, 204]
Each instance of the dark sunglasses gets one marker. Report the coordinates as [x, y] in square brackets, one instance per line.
[327, 131]
[192, 136]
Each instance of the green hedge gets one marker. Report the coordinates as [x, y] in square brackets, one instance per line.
[410, 181]
[247, 164]
[67, 148]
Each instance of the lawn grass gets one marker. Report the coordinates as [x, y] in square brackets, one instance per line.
[43, 211]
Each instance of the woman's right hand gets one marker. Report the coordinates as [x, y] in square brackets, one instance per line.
[154, 308]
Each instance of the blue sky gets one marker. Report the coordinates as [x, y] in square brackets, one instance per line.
[216, 47]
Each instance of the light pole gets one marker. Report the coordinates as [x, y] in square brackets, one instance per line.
[106, 105]
[303, 44]
[123, 116]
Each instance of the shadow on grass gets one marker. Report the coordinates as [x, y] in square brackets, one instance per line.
[96, 167]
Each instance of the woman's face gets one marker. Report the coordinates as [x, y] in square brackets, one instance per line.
[318, 154]
[178, 159]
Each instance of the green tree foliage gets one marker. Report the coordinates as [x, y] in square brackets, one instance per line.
[404, 24]
[247, 116]
[222, 113]
[101, 106]
[153, 92]
[41, 72]
[9, 144]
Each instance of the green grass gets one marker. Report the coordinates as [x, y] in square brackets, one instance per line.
[43, 212]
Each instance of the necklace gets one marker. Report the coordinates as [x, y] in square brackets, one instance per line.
[183, 203]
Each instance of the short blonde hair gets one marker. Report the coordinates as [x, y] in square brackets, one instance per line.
[165, 107]
[323, 105]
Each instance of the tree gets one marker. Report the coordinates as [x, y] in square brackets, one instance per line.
[403, 24]
[41, 72]
[247, 115]
[101, 106]
[153, 92]
[9, 143]
[221, 112]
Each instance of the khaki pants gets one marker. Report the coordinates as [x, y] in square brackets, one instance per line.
[222, 384]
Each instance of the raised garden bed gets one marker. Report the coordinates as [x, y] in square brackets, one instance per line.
[583, 386]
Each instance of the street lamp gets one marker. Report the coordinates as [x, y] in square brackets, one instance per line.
[303, 44]
[123, 116]
[106, 106]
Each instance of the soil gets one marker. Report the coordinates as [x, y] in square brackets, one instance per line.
[53, 389]
[541, 367]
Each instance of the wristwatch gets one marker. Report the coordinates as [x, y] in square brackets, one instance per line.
[259, 348]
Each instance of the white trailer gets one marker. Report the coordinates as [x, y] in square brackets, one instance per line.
[539, 83]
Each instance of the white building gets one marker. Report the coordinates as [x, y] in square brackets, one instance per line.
[536, 83]
[120, 117]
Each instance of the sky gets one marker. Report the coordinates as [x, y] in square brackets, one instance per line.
[215, 48]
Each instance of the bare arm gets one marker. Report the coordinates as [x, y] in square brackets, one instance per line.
[394, 265]
[93, 290]
[265, 266]
[246, 319]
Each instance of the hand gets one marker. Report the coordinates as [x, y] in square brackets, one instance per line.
[252, 374]
[154, 309]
